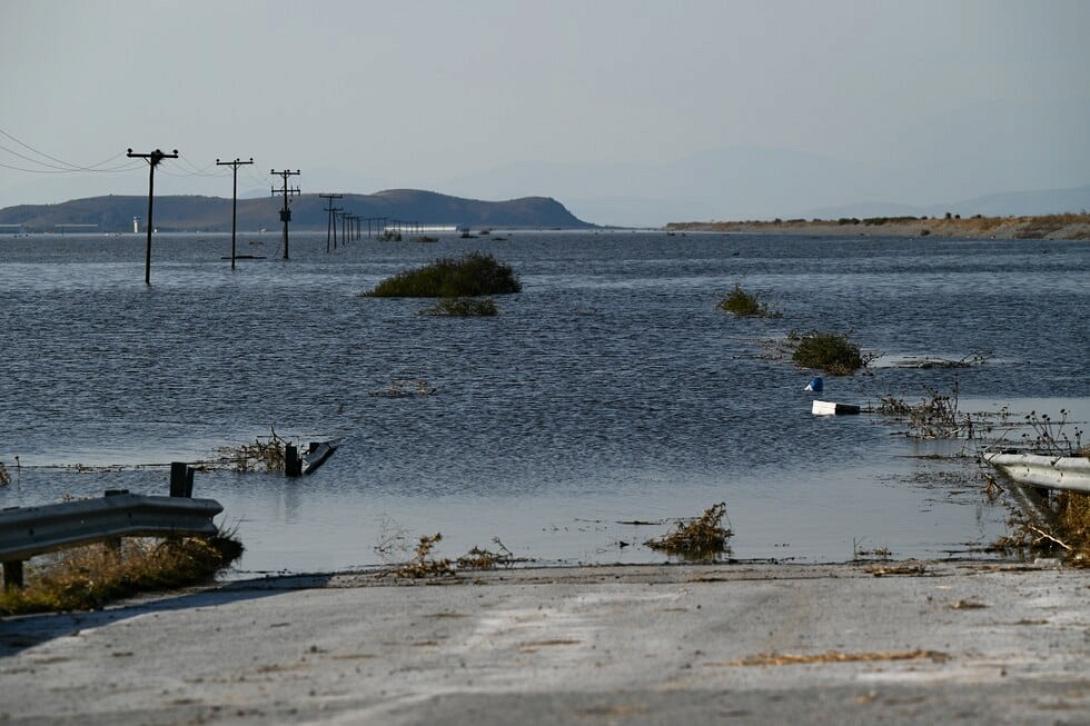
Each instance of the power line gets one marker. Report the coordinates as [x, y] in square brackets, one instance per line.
[65, 165]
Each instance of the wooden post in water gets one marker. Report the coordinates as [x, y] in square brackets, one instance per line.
[13, 575]
[181, 479]
[293, 465]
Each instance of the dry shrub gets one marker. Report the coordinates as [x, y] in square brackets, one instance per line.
[85, 578]
[698, 539]
[266, 453]
[479, 558]
[423, 564]
[5, 477]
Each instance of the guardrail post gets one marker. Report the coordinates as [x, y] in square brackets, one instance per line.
[13, 575]
[181, 479]
[293, 465]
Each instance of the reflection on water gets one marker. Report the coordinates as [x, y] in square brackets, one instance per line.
[610, 389]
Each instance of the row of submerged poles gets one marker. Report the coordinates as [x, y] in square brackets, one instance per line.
[351, 224]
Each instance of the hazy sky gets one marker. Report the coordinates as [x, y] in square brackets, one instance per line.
[452, 95]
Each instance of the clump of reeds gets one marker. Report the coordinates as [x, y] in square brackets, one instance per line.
[463, 307]
[474, 275]
[266, 453]
[746, 304]
[700, 539]
[423, 564]
[830, 352]
[5, 477]
[85, 578]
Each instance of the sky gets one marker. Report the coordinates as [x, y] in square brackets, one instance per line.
[628, 112]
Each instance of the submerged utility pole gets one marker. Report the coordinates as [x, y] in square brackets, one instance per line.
[153, 157]
[234, 197]
[329, 222]
[285, 213]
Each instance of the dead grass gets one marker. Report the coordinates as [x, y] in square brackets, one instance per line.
[909, 568]
[698, 539]
[1067, 534]
[5, 477]
[266, 453]
[835, 656]
[86, 578]
[479, 558]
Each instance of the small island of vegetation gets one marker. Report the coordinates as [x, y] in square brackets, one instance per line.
[746, 304]
[474, 275]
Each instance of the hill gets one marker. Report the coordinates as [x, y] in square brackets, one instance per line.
[213, 214]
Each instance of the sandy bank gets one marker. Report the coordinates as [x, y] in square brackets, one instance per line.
[648, 644]
[1059, 226]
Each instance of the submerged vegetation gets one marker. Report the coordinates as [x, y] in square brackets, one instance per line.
[703, 538]
[84, 578]
[746, 304]
[473, 275]
[266, 453]
[830, 352]
[463, 307]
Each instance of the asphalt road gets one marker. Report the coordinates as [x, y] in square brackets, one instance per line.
[649, 644]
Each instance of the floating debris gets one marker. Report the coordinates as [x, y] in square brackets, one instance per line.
[699, 539]
[405, 388]
[835, 656]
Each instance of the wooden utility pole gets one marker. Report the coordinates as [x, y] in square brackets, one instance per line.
[153, 157]
[285, 213]
[329, 221]
[234, 197]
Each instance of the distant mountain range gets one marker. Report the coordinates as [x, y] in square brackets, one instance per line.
[213, 214]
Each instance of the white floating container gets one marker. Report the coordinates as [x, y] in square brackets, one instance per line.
[829, 408]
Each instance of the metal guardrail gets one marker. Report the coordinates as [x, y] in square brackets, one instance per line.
[29, 531]
[1052, 472]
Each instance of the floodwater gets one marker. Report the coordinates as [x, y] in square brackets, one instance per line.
[609, 390]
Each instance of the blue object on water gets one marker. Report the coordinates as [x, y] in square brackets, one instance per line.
[816, 384]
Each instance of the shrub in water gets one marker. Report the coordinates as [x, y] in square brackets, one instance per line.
[745, 304]
[830, 352]
[463, 307]
[473, 275]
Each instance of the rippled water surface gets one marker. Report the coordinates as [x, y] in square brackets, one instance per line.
[609, 390]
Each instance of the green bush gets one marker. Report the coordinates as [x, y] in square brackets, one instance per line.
[474, 275]
[463, 307]
[746, 304]
[830, 352]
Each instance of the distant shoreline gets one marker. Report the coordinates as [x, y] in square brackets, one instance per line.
[1051, 226]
